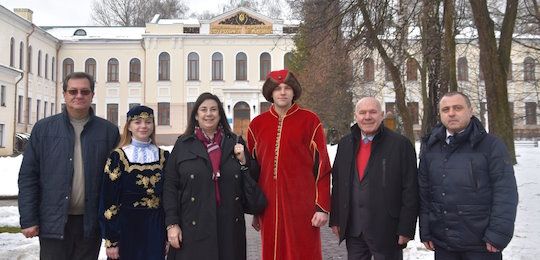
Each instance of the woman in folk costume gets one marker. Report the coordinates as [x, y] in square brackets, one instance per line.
[131, 212]
[289, 145]
[204, 195]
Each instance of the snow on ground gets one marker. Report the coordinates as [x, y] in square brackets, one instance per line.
[524, 245]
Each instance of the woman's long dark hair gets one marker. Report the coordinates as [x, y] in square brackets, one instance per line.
[192, 122]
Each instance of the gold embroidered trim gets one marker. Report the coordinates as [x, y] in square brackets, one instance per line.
[143, 115]
[113, 175]
[151, 202]
[278, 140]
[129, 168]
[108, 243]
[109, 213]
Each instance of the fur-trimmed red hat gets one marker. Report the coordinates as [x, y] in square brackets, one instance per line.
[277, 77]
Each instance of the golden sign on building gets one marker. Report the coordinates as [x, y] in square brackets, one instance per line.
[241, 23]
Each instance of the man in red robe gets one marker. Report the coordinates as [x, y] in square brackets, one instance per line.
[289, 145]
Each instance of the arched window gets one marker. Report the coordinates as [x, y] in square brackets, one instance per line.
[529, 69]
[90, 67]
[193, 66]
[287, 60]
[134, 70]
[12, 52]
[241, 66]
[164, 66]
[412, 70]
[265, 65]
[21, 56]
[39, 63]
[47, 66]
[79, 32]
[369, 70]
[29, 60]
[53, 76]
[112, 70]
[462, 69]
[217, 66]
[67, 67]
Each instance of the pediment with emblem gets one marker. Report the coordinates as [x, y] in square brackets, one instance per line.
[241, 21]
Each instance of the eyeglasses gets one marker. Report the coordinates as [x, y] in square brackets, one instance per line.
[84, 92]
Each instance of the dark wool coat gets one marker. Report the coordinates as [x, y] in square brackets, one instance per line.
[46, 173]
[209, 232]
[468, 190]
[393, 191]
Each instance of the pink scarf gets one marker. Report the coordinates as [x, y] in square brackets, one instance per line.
[214, 152]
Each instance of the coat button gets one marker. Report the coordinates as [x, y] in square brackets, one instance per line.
[446, 229]
[444, 212]
[236, 220]
[236, 176]
[193, 223]
[443, 194]
[192, 176]
[192, 199]
[236, 198]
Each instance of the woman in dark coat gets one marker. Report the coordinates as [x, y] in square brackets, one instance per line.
[203, 192]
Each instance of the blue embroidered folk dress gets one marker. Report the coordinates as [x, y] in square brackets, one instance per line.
[131, 212]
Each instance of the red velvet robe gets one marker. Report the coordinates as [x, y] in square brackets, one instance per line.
[295, 177]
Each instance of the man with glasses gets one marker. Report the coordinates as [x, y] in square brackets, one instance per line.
[60, 175]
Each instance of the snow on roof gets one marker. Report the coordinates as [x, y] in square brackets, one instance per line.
[189, 21]
[97, 32]
[292, 22]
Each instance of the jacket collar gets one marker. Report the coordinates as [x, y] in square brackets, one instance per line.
[290, 111]
[357, 132]
[91, 115]
[227, 144]
[472, 134]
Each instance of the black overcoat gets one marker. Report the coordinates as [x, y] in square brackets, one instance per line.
[393, 188]
[208, 231]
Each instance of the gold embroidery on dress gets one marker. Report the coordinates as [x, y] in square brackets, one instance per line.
[129, 168]
[115, 173]
[151, 202]
[108, 243]
[113, 210]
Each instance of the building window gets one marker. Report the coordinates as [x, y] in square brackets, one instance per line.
[413, 111]
[463, 69]
[132, 105]
[38, 107]
[193, 66]
[53, 109]
[53, 66]
[28, 108]
[79, 32]
[190, 107]
[265, 65]
[412, 70]
[21, 55]
[12, 52]
[39, 63]
[287, 60]
[20, 109]
[164, 66]
[45, 109]
[93, 106]
[67, 67]
[3, 96]
[369, 70]
[390, 107]
[46, 66]
[241, 66]
[112, 113]
[112, 70]
[164, 113]
[90, 67]
[509, 74]
[29, 60]
[217, 66]
[530, 113]
[529, 69]
[1, 135]
[264, 106]
[134, 70]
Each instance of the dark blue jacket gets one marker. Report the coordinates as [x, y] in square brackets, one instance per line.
[46, 173]
[468, 193]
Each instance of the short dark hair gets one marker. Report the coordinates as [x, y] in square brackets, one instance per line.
[78, 75]
[453, 93]
[192, 122]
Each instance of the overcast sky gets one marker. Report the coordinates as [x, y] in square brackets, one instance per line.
[78, 12]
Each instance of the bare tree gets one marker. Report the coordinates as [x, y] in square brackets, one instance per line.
[135, 12]
[494, 59]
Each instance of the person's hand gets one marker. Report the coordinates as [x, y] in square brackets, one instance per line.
[429, 245]
[112, 252]
[239, 153]
[403, 240]
[319, 219]
[174, 235]
[335, 230]
[30, 232]
[255, 223]
[490, 248]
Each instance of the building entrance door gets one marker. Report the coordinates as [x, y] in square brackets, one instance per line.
[241, 118]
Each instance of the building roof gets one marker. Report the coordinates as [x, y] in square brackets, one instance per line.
[75, 33]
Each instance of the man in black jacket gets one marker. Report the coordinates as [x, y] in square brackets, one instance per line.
[468, 193]
[374, 187]
[60, 175]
